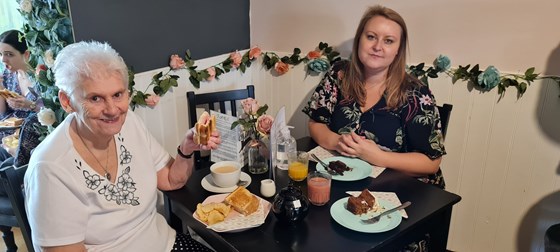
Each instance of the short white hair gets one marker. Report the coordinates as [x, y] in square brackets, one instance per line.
[86, 60]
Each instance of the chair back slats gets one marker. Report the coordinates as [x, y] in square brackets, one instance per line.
[444, 114]
[12, 180]
[221, 98]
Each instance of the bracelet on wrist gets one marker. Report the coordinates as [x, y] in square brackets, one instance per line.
[180, 153]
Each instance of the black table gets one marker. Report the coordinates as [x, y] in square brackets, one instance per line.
[430, 212]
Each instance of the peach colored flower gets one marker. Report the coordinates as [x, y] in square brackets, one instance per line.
[281, 67]
[152, 100]
[255, 52]
[211, 72]
[176, 62]
[235, 59]
[313, 54]
[340, 75]
[264, 124]
[250, 106]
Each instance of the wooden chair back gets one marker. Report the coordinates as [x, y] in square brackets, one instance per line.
[12, 180]
[444, 114]
[216, 101]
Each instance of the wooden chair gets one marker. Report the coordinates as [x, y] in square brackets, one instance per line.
[12, 181]
[444, 114]
[209, 102]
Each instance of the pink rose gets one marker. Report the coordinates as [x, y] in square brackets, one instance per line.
[39, 68]
[211, 72]
[152, 100]
[254, 53]
[264, 124]
[235, 59]
[313, 54]
[176, 62]
[281, 67]
[250, 106]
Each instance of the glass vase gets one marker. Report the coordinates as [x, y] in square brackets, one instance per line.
[257, 155]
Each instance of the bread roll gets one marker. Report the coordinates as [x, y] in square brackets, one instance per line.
[204, 127]
[243, 201]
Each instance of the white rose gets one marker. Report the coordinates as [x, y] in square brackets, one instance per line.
[46, 117]
[49, 58]
[25, 6]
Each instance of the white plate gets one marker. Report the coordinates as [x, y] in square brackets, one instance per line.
[347, 219]
[236, 222]
[208, 184]
[360, 168]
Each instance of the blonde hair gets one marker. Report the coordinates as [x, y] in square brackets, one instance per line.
[398, 81]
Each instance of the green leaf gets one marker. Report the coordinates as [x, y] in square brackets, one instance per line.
[234, 124]
[157, 76]
[297, 51]
[195, 82]
[242, 68]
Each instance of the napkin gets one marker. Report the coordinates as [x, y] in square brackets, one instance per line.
[322, 153]
[388, 196]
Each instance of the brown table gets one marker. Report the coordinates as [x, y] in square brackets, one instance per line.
[430, 212]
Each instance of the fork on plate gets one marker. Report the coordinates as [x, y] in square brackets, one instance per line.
[327, 168]
[378, 217]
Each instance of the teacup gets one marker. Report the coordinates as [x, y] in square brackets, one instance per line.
[225, 173]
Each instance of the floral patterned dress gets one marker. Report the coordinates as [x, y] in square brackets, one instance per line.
[413, 127]
[11, 83]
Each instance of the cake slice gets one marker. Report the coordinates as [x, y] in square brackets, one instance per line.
[362, 204]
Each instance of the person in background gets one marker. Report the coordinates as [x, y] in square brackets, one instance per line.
[369, 107]
[92, 184]
[14, 77]
[14, 55]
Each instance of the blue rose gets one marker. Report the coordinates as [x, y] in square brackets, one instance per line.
[489, 78]
[442, 63]
[318, 65]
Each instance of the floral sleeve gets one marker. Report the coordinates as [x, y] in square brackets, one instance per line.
[423, 124]
[321, 105]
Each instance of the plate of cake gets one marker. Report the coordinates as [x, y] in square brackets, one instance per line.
[346, 168]
[350, 211]
[233, 212]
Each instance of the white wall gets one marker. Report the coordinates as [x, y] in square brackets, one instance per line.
[503, 154]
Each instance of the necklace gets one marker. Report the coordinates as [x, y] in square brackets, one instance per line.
[107, 174]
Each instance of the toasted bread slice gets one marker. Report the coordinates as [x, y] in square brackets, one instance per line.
[243, 201]
[204, 127]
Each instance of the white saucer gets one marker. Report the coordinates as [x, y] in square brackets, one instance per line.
[208, 184]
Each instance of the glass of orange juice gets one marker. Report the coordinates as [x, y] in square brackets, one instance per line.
[298, 165]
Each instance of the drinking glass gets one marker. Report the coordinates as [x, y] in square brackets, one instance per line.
[319, 187]
[298, 165]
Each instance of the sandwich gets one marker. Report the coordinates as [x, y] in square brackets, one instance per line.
[243, 201]
[204, 127]
[12, 122]
[7, 94]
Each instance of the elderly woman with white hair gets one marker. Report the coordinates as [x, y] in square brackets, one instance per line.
[91, 185]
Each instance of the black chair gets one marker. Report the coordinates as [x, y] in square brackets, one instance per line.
[444, 114]
[12, 209]
[209, 101]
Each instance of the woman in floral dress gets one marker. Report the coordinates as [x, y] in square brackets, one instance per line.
[370, 108]
[14, 55]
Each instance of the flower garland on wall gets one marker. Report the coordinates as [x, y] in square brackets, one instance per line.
[318, 61]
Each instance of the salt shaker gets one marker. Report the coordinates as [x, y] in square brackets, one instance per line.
[268, 188]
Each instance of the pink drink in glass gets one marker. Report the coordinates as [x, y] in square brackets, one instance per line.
[319, 188]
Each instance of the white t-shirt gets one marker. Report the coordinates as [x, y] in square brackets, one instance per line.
[68, 202]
